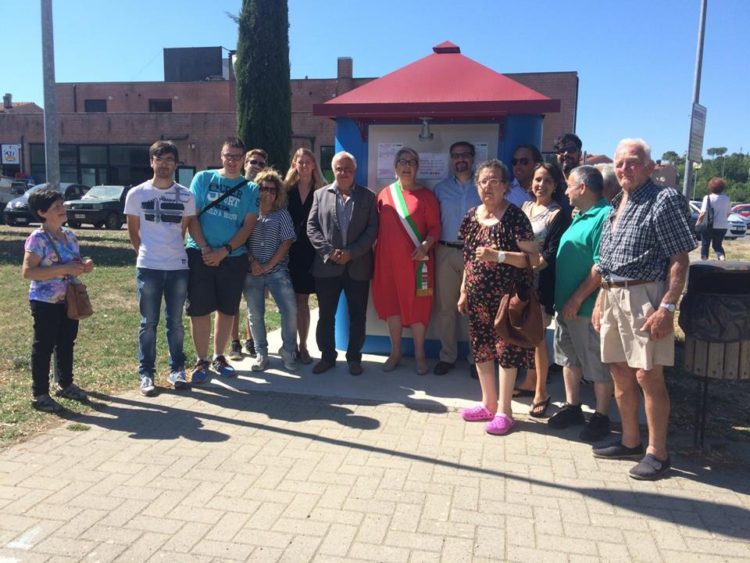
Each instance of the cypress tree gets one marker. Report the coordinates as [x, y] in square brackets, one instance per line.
[264, 98]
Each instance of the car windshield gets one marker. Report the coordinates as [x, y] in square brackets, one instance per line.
[104, 192]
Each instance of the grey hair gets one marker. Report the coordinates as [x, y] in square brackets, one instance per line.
[590, 177]
[343, 154]
[640, 143]
[610, 178]
[496, 164]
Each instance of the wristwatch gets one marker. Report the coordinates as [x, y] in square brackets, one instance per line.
[671, 307]
[228, 248]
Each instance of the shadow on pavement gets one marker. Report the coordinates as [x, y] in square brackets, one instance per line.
[146, 420]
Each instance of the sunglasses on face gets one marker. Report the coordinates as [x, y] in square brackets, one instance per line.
[406, 162]
[256, 163]
[457, 155]
[268, 190]
[524, 161]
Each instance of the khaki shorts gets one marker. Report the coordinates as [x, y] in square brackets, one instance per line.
[624, 310]
[577, 345]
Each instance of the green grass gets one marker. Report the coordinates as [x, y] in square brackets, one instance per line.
[106, 352]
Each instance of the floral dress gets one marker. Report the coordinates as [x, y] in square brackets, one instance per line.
[487, 282]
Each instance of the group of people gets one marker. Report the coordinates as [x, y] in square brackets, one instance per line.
[608, 264]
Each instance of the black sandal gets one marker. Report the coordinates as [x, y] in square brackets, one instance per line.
[533, 411]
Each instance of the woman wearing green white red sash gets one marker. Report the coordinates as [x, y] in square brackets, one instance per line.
[404, 277]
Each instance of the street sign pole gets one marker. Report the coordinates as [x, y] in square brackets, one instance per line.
[696, 98]
[51, 151]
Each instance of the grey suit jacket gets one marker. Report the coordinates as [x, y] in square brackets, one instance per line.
[324, 233]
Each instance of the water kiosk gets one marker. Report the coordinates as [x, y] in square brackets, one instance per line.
[428, 105]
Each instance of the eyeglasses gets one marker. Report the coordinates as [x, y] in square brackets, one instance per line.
[256, 163]
[570, 150]
[493, 182]
[269, 190]
[226, 156]
[524, 161]
[457, 155]
[406, 162]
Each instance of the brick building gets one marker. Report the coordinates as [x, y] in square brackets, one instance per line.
[107, 127]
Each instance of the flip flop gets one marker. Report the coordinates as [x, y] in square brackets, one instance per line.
[518, 393]
[534, 410]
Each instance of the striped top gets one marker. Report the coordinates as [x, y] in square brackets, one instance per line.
[269, 233]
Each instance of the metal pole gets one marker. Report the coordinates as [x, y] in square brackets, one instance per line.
[51, 145]
[696, 90]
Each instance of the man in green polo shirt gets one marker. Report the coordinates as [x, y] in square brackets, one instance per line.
[576, 342]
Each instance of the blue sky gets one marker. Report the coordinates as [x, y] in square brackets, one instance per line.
[635, 58]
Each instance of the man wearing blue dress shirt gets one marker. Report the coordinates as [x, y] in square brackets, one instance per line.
[456, 194]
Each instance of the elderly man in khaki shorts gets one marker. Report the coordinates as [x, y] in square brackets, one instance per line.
[643, 262]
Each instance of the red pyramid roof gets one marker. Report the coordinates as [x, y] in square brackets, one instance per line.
[445, 83]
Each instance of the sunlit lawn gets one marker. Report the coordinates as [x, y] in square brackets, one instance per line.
[106, 348]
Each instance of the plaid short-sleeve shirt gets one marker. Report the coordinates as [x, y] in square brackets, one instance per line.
[652, 229]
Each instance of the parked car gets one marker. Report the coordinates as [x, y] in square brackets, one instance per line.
[737, 227]
[743, 210]
[17, 210]
[102, 206]
[10, 189]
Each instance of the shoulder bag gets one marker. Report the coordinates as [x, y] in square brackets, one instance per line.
[77, 302]
[223, 196]
[518, 320]
[704, 226]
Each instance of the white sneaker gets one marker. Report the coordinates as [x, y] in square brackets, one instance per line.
[147, 386]
[178, 379]
[289, 361]
[260, 363]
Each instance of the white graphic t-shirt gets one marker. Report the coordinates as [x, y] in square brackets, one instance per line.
[160, 212]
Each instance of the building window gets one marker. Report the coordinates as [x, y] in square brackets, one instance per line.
[95, 106]
[160, 106]
[93, 154]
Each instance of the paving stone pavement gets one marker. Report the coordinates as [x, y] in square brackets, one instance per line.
[369, 468]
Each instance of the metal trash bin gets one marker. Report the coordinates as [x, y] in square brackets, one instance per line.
[715, 317]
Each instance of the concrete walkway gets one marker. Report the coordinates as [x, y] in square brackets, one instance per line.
[273, 467]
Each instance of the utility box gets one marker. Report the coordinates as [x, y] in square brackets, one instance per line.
[715, 316]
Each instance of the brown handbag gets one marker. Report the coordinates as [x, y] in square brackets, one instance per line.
[518, 320]
[77, 302]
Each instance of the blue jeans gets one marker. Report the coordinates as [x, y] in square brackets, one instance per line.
[714, 238]
[151, 285]
[280, 285]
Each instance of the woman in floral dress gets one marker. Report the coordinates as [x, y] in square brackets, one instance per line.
[498, 242]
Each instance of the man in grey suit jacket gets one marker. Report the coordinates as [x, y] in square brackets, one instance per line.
[342, 227]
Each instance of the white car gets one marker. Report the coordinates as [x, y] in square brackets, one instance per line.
[737, 227]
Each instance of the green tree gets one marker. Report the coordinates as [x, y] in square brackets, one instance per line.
[672, 157]
[716, 151]
[264, 97]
